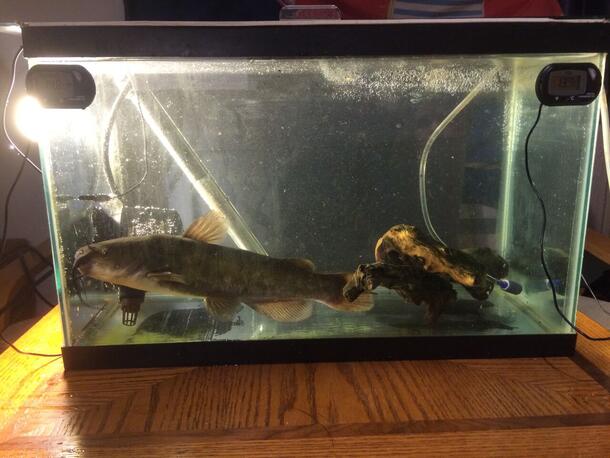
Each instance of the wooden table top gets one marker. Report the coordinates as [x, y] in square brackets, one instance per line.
[598, 245]
[502, 407]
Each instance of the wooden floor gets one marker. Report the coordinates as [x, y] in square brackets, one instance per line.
[509, 407]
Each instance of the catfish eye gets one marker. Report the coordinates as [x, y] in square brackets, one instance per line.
[99, 250]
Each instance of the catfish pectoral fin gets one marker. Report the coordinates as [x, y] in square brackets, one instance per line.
[167, 276]
[222, 308]
[288, 311]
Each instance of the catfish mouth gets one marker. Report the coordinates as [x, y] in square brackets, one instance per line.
[81, 258]
[83, 263]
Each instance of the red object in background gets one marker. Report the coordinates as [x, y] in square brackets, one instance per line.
[355, 9]
[521, 8]
[380, 9]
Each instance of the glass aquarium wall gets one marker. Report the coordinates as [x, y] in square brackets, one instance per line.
[317, 158]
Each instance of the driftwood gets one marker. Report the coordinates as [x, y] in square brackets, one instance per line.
[421, 270]
[413, 285]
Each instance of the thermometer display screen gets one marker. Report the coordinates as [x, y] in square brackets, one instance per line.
[567, 82]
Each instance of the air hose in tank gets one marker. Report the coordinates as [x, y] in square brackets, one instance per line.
[503, 283]
[129, 87]
[123, 93]
[423, 161]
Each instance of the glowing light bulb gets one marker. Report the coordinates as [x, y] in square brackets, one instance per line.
[30, 119]
[13, 29]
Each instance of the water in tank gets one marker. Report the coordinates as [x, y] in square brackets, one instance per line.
[203, 199]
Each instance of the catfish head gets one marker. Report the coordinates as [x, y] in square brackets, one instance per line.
[109, 261]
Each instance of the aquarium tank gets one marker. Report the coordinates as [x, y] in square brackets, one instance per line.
[324, 190]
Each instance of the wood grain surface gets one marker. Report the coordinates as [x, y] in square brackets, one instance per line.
[598, 245]
[503, 407]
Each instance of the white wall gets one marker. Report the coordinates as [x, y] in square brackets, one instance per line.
[61, 10]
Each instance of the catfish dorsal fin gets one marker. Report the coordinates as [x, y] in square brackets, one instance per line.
[209, 228]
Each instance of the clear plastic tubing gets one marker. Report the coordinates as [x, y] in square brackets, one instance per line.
[505, 284]
[423, 161]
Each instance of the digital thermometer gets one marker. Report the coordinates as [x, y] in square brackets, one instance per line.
[568, 84]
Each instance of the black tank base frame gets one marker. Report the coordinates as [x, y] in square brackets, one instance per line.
[317, 350]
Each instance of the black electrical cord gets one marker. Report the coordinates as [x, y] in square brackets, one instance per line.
[28, 353]
[9, 306]
[107, 167]
[6, 308]
[32, 283]
[120, 98]
[144, 138]
[114, 110]
[21, 250]
[2, 247]
[7, 200]
[599, 304]
[129, 87]
[7, 203]
[542, 234]
[6, 103]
